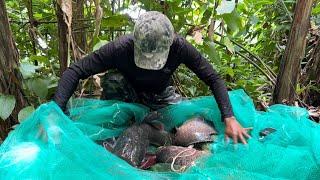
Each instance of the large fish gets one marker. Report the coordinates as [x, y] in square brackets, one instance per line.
[182, 157]
[132, 144]
[194, 131]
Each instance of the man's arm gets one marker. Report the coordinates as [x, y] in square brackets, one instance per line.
[201, 67]
[96, 62]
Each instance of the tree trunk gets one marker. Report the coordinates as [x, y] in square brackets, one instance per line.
[314, 74]
[63, 42]
[295, 51]
[79, 34]
[32, 27]
[312, 77]
[10, 77]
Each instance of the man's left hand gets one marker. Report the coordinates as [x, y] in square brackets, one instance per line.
[235, 131]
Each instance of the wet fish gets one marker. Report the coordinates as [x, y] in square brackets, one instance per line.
[193, 131]
[107, 143]
[148, 161]
[178, 156]
[165, 167]
[157, 135]
[132, 144]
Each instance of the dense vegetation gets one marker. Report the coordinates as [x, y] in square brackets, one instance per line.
[244, 40]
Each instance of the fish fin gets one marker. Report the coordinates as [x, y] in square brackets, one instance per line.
[214, 133]
[152, 116]
[148, 161]
[157, 124]
[190, 146]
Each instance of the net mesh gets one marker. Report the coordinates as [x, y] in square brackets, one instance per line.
[51, 145]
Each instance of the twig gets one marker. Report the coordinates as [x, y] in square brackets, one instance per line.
[252, 62]
[176, 81]
[286, 9]
[255, 56]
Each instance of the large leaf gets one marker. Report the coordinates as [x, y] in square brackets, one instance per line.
[25, 112]
[99, 44]
[229, 44]
[8, 103]
[233, 21]
[206, 16]
[39, 87]
[27, 70]
[115, 21]
[316, 10]
[41, 59]
[226, 7]
[210, 50]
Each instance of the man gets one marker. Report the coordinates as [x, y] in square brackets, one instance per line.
[147, 60]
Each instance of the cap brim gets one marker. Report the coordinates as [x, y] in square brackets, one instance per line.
[156, 62]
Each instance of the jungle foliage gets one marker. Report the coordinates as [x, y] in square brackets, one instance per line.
[244, 40]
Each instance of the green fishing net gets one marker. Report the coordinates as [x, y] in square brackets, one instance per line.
[51, 145]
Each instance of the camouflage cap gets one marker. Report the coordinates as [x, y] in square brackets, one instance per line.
[153, 36]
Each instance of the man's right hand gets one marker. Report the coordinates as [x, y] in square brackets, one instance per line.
[235, 131]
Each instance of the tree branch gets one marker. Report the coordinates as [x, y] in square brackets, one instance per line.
[252, 62]
[273, 74]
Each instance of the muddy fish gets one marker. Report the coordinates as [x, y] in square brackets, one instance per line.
[132, 144]
[178, 156]
[193, 131]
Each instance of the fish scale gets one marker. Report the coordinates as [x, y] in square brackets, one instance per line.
[193, 131]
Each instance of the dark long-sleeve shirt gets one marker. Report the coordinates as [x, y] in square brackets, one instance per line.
[119, 55]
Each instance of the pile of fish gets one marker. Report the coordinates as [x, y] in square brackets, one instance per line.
[177, 150]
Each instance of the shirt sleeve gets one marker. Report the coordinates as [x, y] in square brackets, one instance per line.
[96, 62]
[201, 67]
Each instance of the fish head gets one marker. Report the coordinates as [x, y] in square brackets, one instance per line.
[195, 130]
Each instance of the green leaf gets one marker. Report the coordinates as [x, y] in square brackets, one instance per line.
[253, 20]
[233, 21]
[206, 16]
[229, 44]
[316, 10]
[210, 50]
[226, 7]
[99, 45]
[8, 103]
[150, 5]
[39, 87]
[41, 59]
[230, 71]
[115, 21]
[25, 112]
[192, 90]
[37, 16]
[27, 70]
